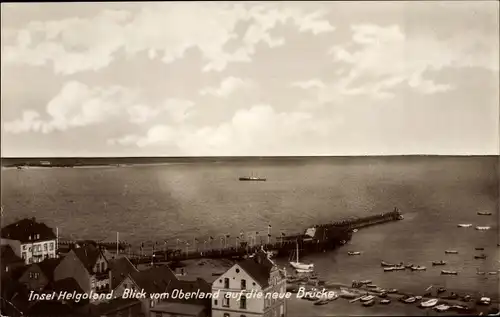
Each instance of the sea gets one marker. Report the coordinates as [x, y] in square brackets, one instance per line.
[184, 203]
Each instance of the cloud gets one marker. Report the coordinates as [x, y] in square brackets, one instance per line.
[164, 31]
[76, 105]
[259, 127]
[177, 110]
[312, 83]
[393, 57]
[227, 87]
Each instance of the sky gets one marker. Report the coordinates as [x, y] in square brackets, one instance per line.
[250, 79]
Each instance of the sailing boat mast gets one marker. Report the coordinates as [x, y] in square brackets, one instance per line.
[297, 242]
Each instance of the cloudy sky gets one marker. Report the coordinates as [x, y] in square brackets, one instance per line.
[196, 79]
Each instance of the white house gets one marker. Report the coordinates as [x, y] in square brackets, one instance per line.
[30, 240]
[258, 274]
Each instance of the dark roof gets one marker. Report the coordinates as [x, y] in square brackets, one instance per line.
[67, 284]
[258, 267]
[88, 255]
[8, 256]
[113, 306]
[120, 269]
[26, 229]
[179, 309]
[48, 266]
[154, 280]
[50, 308]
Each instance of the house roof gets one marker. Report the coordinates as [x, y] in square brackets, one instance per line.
[120, 269]
[88, 255]
[48, 266]
[154, 280]
[178, 308]
[67, 284]
[8, 256]
[258, 267]
[25, 230]
[114, 305]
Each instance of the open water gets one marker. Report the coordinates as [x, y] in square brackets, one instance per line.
[201, 199]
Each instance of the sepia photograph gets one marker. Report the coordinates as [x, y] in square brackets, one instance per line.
[250, 159]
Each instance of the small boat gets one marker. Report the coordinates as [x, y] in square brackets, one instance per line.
[418, 297]
[441, 290]
[252, 178]
[484, 213]
[385, 264]
[392, 291]
[322, 301]
[409, 265]
[399, 268]
[354, 230]
[389, 269]
[479, 249]
[482, 228]
[301, 266]
[493, 273]
[451, 252]
[446, 272]
[465, 225]
[484, 301]
[429, 303]
[418, 268]
[369, 303]
[480, 273]
[461, 308]
[371, 286]
[438, 262]
[452, 296]
[383, 295]
[354, 253]
[366, 282]
[347, 295]
[367, 298]
[304, 270]
[410, 300]
[481, 256]
[385, 301]
[442, 308]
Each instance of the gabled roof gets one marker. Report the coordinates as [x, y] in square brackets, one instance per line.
[88, 255]
[154, 280]
[120, 269]
[26, 230]
[66, 284]
[258, 267]
[48, 266]
[112, 306]
[8, 256]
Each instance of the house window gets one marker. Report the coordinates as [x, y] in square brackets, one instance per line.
[23, 256]
[29, 238]
[51, 246]
[225, 303]
[24, 247]
[30, 260]
[29, 249]
[103, 266]
[226, 282]
[215, 302]
[45, 247]
[243, 284]
[36, 275]
[243, 302]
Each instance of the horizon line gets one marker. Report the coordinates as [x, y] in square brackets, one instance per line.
[247, 156]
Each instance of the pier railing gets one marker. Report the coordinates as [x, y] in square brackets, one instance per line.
[334, 234]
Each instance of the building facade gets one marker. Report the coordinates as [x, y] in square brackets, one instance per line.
[30, 240]
[258, 274]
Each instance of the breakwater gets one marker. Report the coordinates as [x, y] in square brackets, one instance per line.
[318, 238]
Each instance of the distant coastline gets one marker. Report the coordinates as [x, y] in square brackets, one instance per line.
[74, 162]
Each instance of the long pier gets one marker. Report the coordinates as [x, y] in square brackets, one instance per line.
[318, 238]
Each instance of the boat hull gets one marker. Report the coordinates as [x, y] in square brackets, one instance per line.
[302, 266]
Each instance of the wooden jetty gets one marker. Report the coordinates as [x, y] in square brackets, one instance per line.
[318, 238]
